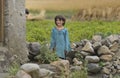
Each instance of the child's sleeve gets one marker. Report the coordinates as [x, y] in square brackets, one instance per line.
[52, 43]
[67, 43]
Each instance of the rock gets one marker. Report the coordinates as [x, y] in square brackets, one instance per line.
[70, 55]
[73, 45]
[84, 53]
[106, 42]
[78, 44]
[76, 62]
[115, 63]
[75, 68]
[34, 48]
[49, 67]
[79, 48]
[92, 59]
[84, 41]
[63, 66]
[46, 73]
[118, 67]
[4, 59]
[113, 38]
[106, 57]
[96, 45]
[118, 71]
[103, 50]
[114, 47]
[22, 74]
[88, 48]
[113, 71]
[117, 53]
[105, 76]
[97, 38]
[105, 70]
[32, 69]
[107, 64]
[110, 76]
[29, 67]
[93, 68]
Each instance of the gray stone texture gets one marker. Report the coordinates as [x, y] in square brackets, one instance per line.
[15, 28]
[15, 32]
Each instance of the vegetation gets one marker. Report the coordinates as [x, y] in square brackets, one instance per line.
[80, 10]
[13, 69]
[40, 30]
[79, 74]
[46, 56]
[68, 4]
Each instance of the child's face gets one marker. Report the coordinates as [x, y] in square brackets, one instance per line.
[59, 22]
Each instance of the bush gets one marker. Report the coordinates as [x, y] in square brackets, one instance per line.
[45, 55]
[79, 74]
[13, 69]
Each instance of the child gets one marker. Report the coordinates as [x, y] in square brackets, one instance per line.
[59, 38]
[26, 12]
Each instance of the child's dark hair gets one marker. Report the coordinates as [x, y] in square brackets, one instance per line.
[60, 17]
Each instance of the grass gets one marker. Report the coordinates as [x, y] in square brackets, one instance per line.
[50, 14]
[77, 9]
[79, 74]
[46, 56]
[13, 69]
[40, 30]
[69, 4]
[67, 13]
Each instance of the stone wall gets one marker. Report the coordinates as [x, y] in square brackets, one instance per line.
[14, 24]
[101, 53]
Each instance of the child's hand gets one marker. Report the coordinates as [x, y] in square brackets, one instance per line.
[53, 49]
[65, 52]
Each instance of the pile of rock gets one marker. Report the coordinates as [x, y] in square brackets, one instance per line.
[31, 70]
[101, 54]
[53, 70]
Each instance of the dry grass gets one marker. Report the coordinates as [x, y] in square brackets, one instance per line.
[107, 13]
[86, 9]
[70, 4]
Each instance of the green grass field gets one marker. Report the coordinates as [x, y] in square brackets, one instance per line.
[40, 30]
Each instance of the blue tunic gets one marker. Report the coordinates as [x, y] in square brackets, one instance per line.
[60, 41]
